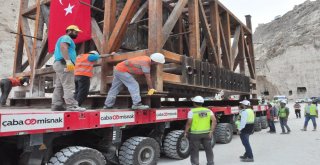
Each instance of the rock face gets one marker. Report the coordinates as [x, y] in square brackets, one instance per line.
[9, 11]
[287, 53]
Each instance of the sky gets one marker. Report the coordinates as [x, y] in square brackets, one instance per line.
[261, 11]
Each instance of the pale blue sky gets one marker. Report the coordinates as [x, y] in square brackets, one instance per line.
[262, 11]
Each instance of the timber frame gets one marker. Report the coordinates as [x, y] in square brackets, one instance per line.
[205, 45]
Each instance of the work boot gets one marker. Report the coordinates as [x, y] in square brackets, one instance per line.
[243, 157]
[75, 108]
[314, 129]
[58, 108]
[247, 160]
[304, 129]
[139, 106]
[288, 131]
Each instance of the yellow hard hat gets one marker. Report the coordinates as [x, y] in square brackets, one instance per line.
[74, 27]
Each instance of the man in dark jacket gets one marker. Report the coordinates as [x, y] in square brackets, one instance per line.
[246, 128]
[7, 84]
[271, 114]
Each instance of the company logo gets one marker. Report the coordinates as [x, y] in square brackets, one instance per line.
[166, 114]
[31, 121]
[22, 122]
[116, 117]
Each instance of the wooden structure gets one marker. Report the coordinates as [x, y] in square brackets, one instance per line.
[207, 48]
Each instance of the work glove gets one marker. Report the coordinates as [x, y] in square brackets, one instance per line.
[70, 66]
[151, 91]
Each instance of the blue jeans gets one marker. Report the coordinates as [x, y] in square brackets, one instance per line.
[245, 141]
[313, 119]
[271, 125]
[283, 123]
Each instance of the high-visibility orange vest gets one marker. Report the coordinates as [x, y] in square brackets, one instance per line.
[134, 65]
[15, 81]
[83, 66]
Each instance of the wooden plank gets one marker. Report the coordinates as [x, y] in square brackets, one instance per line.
[172, 57]
[215, 28]
[172, 19]
[140, 13]
[178, 29]
[155, 40]
[122, 24]
[235, 44]
[124, 56]
[27, 40]
[224, 48]
[249, 60]
[42, 53]
[194, 36]
[108, 26]
[171, 78]
[239, 60]
[225, 21]
[33, 9]
[212, 54]
[96, 34]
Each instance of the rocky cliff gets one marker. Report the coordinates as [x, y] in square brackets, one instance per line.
[287, 52]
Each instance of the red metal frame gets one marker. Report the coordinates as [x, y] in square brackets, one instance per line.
[35, 122]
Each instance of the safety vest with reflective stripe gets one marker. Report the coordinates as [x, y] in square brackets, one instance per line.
[200, 120]
[312, 110]
[250, 118]
[282, 113]
[15, 81]
[134, 65]
[83, 66]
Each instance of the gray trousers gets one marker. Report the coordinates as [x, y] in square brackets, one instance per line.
[120, 79]
[6, 87]
[64, 86]
[205, 140]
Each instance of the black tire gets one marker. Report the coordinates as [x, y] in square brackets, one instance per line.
[139, 150]
[264, 122]
[257, 124]
[213, 143]
[223, 133]
[176, 146]
[76, 155]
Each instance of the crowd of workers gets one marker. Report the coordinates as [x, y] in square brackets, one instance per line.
[73, 73]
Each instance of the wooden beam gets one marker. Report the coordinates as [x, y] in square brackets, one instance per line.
[122, 24]
[224, 48]
[124, 56]
[140, 13]
[215, 28]
[172, 20]
[225, 21]
[42, 53]
[172, 57]
[27, 40]
[171, 78]
[18, 52]
[194, 36]
[249, 60]
[235, 44]
[178, 29]
[240, 57]
[26, 11]
[155, 40]
[203, 47]
[45, 13]
[212, 54]
[96, 34]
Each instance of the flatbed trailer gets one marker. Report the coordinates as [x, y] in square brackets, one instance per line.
[122, 136]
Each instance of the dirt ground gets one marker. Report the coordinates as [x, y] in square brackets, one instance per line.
[296, 148]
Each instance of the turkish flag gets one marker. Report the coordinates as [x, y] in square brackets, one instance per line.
[68, 12]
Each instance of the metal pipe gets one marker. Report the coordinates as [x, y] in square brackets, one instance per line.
[26, 35]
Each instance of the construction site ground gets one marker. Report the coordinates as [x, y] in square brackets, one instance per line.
[296, 148]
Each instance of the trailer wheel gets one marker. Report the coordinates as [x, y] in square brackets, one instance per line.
[176, 146]
[224, 133]
[139, 150]
[257, 124]
[213, 142]
[76, 155]
[264, 122]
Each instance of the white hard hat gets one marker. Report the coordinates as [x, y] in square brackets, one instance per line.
[283, 101]
[245, 102]
[158, 57]
[94, 52]
[198, 99]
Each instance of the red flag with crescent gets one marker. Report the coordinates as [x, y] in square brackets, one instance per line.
[68, 12]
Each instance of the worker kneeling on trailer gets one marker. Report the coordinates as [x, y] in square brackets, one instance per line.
[7, 84]
[122, 75]
[83, 72]
[246, 128]
[199, 128]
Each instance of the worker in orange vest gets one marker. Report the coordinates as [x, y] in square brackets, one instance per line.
[122, 75]
[7, 84]
[83, 72]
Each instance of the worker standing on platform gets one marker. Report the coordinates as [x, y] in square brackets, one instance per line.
[7, 84]
[123, 75]
[310, 112]
[200, 129]
[283, 114]
[65, 58]
[83, 72]
[246, 128]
